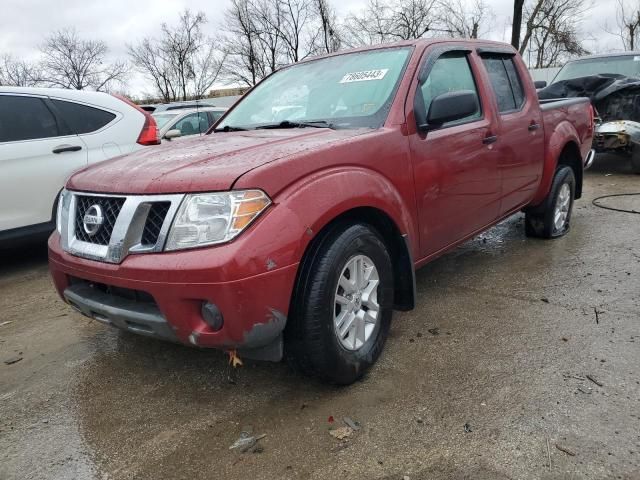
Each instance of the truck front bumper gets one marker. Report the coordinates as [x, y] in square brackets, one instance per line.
[163, 295]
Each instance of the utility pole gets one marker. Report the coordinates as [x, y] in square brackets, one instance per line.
[517, 23]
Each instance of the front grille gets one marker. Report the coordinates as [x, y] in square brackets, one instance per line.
[142, 223]
[110, 206]
[155, 220]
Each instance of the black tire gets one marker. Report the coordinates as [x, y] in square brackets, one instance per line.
[635, 158]
[311, 342]
[539, 220]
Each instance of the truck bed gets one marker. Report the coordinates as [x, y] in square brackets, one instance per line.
[552, 103]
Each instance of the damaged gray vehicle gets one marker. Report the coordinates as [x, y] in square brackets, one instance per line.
[612, 82]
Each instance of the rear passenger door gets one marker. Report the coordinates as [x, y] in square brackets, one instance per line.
[37, 154]
[520, 143]
[92, 125]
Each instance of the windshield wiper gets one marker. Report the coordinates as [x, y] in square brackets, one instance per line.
[294, 124]
[229, 128]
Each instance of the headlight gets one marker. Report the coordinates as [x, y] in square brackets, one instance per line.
[59, 211]
[210, 218]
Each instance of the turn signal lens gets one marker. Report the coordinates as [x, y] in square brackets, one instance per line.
[248, 208]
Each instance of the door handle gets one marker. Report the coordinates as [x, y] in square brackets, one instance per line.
[66, 148]
[488, 140]
[533, 127]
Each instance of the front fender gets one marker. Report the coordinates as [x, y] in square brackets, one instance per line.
[326, 194]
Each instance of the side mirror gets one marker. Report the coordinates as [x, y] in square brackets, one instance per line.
[171, 134]
[540, 84]
[449, 107]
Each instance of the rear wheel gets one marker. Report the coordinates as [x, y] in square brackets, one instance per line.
[551, 219]
[342, 306]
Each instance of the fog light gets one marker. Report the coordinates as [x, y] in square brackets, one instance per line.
[212, 315]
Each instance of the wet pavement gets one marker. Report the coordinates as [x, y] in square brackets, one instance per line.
[503, 365]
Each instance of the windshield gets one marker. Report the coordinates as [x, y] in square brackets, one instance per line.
[628, 65]
[163, 118]
[346, 91]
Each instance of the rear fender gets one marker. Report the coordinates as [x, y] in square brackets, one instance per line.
[563, 135]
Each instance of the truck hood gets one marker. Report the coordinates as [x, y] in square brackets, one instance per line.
[208, 163]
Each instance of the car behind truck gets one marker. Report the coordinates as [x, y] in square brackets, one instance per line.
[612, 82]
[297, 238]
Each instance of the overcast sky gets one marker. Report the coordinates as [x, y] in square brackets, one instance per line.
[24, 23]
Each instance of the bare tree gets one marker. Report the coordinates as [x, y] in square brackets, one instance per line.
[557, 41]
[414, 18]
[533, 21]
[297, 16]
[628, 22]
[263, 35]
[71, 62]
[370, 26]
[552, 31]
[207, 67]
[268, 23]
[183, 62]
[19, 73]
[464, 20]
[149, 58]
[330, 39]
[245, 62]
[382, 21]
[180, 45]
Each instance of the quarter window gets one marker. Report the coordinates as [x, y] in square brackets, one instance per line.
[82, 118]
[25, 118]
[450, 73]
[505, 82]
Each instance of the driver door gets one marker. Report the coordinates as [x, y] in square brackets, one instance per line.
[456, 173]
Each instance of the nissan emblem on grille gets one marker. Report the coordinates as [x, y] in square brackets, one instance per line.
[93, 220]
[90, 229]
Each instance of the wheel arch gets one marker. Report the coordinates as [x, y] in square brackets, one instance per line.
[396, 243]
[565, 152]
[571, 157]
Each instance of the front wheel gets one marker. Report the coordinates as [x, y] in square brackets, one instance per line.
[342, 306]
[551, 219]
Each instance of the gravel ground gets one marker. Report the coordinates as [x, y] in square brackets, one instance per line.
[503, 371]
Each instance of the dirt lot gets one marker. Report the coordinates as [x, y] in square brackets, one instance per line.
[503, 338]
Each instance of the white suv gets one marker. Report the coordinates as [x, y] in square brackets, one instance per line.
[45, 135]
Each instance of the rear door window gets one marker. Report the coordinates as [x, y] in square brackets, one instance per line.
[82, 118]
[505, 82]
[25, 118]
[514, 80]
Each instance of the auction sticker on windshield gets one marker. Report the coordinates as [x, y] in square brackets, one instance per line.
[364, 76]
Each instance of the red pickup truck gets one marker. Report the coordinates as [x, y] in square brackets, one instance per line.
[293, 229]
